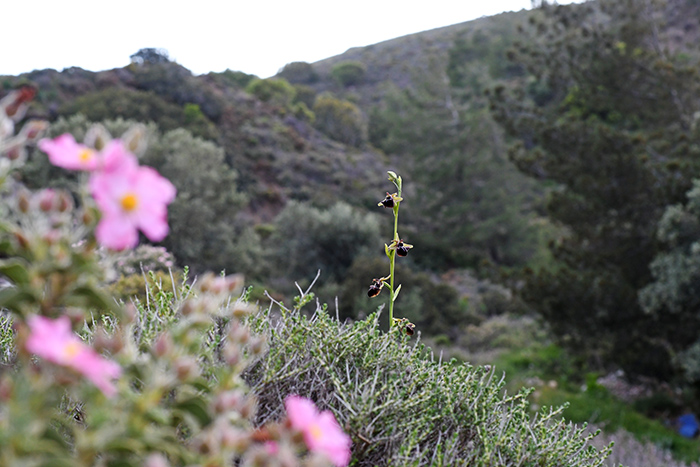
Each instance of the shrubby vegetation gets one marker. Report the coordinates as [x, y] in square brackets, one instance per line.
[349, 73]
[341, 120]
[588, 220]
[307, 239]
[299, 73]
[140, 106]
[195, 375]
[401, 406]
[273, 91]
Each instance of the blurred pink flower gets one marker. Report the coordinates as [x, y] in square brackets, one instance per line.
[322, 433]
[54, 340]
[131, 198]
[116, 157]
[64, 152]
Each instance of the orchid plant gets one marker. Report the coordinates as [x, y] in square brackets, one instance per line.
[397, 247]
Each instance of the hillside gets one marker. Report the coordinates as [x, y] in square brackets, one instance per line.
[549, 160]
[405, 61]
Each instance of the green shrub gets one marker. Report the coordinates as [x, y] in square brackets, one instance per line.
[176, 84]
[141, 106]
[299, 73]
[307, 239]
[273, 91]
[349, 73]
[237, 79]
[341, 120]
[399, 405]
[305, 94]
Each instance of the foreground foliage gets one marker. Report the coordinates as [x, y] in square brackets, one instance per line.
[398, 403]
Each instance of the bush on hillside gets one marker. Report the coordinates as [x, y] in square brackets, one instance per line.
[341, 120]
[273, 91]
[236, 79]
[299, 73]
[349, 73]
[307, 239]
[141, 106]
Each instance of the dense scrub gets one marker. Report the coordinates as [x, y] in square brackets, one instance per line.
[402, 405]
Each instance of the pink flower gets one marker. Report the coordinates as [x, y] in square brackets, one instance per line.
[322, 433]
[64, 152]
[131, 198]
[54, 341]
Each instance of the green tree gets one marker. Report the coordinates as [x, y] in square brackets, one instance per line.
[674, 295]
[349, 73]
[150, 55]
[273, 91]
[341, 120]
[307, 239]
[605, 114]
[472, 203]
[299, 73]
[205, 233]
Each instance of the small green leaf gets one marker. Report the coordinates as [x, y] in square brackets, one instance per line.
[90, 296]
[13, 297]
[15, 271]
[396, 292]
[386, 250]
[196, 407]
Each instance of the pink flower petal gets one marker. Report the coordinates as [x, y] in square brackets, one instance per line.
[301, 411]
[54, 341]
[64, 152]
[321, 431]
[153, 186]
[131, 199]
[115, 157]
[116, 232]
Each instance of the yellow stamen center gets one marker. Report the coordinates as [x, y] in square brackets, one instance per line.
[86, 155]
[129, 202]
[71, 349]
[316, 432]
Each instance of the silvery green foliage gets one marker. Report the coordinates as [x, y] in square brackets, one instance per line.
[676, 272]
[307, 238]
[400, 404]
[676, 288]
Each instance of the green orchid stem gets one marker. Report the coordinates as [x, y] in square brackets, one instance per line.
[391, 284]
[392, 257]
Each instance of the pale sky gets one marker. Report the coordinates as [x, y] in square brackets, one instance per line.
[253, 36]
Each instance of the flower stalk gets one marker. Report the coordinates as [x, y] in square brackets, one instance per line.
[396, 247]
